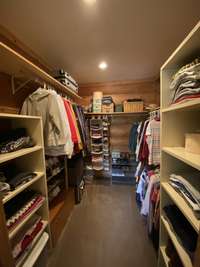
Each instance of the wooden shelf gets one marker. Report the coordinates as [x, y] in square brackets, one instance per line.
[182, 205]
[13, 232]
[117, 113]
[180, 153]
[15, 64]
[19, 153]
[22, 187]
[55, 174]
[180, 250]
[164, 255]
[25, 259]
[57, 204]
[189, 105]
[37, 250]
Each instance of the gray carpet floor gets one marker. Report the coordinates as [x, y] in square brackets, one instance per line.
[105, 230]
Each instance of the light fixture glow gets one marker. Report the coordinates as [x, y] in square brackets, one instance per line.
[90, 2]
[103, 65]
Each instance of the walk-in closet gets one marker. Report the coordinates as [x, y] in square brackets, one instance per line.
[99, 133]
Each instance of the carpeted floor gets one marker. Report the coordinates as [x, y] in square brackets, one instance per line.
[105, 230]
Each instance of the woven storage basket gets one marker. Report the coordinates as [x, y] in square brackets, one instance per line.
[108, 108]
[136, 106]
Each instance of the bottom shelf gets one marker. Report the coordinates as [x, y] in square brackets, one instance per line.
[164, 255]
[56, 204]
[180, 250]
[37, 250]
[24, 259]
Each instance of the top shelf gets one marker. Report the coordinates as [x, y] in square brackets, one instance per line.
[116, 113]
[13, 63]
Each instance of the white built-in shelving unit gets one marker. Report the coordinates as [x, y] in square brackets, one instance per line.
[31, 160]
[176, 121]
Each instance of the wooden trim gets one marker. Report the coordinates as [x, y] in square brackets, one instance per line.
[10, 110]
[119, 83]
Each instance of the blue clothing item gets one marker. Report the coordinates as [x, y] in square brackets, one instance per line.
[133, 137]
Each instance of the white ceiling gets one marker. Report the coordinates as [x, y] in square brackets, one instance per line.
[134, 37]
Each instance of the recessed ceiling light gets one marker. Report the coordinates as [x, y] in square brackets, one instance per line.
[90, 2]
[103, 65]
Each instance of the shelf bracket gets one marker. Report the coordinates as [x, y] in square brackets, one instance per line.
[18, 88]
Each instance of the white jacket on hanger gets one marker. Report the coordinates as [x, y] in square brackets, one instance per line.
[46, 103]
[69, 145]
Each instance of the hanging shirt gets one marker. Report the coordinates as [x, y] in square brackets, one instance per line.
[153, 141]
[80, 145]
[145, 204]
[69, 145]
[74, 134]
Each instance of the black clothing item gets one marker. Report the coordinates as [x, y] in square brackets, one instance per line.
[22, 142]
[14, 139]
[14, 176]
[21, 178]
[13, 134]
[173, 255]
[15, 204]
[183, 229]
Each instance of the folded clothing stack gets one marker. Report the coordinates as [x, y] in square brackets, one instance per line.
[185, 83]
[188, 190]
[64, 78]
[184, 231]
[24, 238]
[18, 208]
[14, 140]
[54, 165]
[11, 177]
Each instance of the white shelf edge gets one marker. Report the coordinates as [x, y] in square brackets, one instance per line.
[116, 113]
[190, 105]
[182, 205]
[18, 116]
[19, 153]
[179, 153]
[26, 257]
[164, 255]
[180, 250]
[22, 187]
[13, 232]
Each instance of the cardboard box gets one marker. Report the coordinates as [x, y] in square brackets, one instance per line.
[192, 143]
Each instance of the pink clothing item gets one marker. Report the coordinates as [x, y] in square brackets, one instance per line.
[186, 98]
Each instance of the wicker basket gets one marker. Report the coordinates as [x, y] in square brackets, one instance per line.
[108, 108]
[136, 106]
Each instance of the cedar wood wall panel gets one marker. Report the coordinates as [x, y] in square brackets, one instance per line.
[148, 90]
